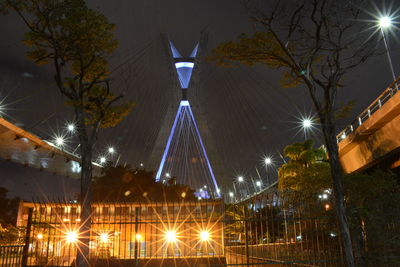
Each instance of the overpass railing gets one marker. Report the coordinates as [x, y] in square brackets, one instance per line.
[371, 109]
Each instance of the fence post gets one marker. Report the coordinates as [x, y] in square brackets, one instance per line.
[25, 251]
[246, 231]
[136, 239]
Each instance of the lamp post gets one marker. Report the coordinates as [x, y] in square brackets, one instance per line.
[385, 23]
[267, 162]
[241, 180]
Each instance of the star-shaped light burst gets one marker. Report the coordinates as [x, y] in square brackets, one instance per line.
[71, 128]
[102, 159]
[306, 124]
[59, 141]
[383, 19]
[111, 150]
[385, 22]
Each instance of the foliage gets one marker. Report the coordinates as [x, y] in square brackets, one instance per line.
[77, 41]
[127, 184]
[235, 217]
[9, 233]
[371, 201]
[315, 47]
[306, 172]
[8, 208]
[12, 235]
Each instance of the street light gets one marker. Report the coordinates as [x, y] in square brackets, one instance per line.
[307, 123]
[267, 160]
[71, 127]
[111, 150]
[258, 183]
[385, 23]
[240, 179]
[60, 141]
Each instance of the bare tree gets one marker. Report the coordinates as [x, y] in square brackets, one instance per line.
[316, 43]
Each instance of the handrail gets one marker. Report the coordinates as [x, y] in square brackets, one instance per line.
[371, 109]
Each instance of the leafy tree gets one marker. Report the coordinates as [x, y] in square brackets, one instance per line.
[235, 221]
[305, 162]
[127, 184]
[9, 233]
[372, 204]
[77, 42]
[315, 43]
[8, 208]
[371, 199]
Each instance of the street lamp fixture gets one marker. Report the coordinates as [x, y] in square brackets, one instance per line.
[385, 22]
[71, 127]
[307, 123]
[240, 179]
[267, 160]
[60, 141]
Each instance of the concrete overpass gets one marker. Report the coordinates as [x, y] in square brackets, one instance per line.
[28, 149]
[374, 137]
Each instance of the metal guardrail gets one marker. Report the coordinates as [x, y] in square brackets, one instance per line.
[371, 109]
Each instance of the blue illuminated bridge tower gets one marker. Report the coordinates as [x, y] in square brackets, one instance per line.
[179, 149]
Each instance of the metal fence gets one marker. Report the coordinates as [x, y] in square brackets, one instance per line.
[270, 229]
[11, 255]
[371, 109]
[126, 231]
[264, 231]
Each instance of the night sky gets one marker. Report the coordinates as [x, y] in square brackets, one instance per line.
[248, 114]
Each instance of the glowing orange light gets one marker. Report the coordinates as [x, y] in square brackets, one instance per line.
[204, 235]
[39, 236]
[327, 207]
[171, 236]
[104, 238]
[71, 237]
[139, 237]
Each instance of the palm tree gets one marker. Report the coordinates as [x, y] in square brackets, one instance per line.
[307, 168]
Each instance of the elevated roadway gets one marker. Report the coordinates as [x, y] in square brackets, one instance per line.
[374, 137]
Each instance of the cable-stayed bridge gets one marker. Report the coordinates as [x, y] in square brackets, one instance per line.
[184, 157]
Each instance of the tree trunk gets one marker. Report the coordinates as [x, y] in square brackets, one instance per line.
[337, 174]
[86, 193]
